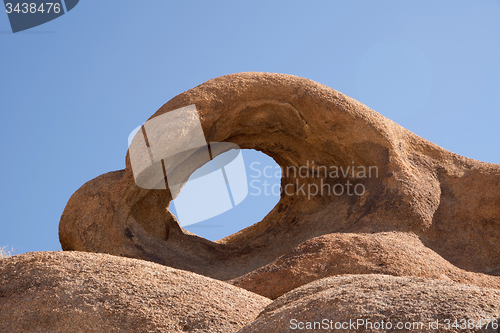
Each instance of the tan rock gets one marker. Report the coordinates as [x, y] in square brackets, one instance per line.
[381, 298]
[390, 253]
[451, 202]
[85, 292]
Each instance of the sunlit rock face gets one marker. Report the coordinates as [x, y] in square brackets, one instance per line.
[93, 292]
[391, 181]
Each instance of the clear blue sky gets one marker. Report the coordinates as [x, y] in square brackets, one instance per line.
[73, 89]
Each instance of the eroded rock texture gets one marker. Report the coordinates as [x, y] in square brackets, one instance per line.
[391, 253]
[451, 203]
[88, 292]
[414, 302]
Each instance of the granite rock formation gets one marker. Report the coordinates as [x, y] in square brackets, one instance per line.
[451, 203]
[88, 292]
[383, 302]
[93, 292]
[391, 253]
[420, 244]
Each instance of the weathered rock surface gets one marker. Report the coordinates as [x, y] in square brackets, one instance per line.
[87, 292]
[377, 298]
[391, 253]
[451, 202]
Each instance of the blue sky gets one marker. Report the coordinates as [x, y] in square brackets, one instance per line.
[73, 89]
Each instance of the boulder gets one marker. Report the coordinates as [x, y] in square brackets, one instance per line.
[88, 292]
[381, 303]
[450, 202]
[389, 253]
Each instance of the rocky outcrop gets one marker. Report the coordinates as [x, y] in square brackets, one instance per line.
[87, 292]
[391, 253]
[381, 303]
[451, 202]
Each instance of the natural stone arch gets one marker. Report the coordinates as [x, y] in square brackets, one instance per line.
[421, 187]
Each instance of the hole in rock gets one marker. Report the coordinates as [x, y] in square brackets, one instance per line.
[222, 198]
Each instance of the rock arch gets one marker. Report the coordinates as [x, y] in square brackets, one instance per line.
[451, 202]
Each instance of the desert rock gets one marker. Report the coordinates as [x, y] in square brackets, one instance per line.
[450, 202]
[87, 292]
[391, 253]
[378, 299]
